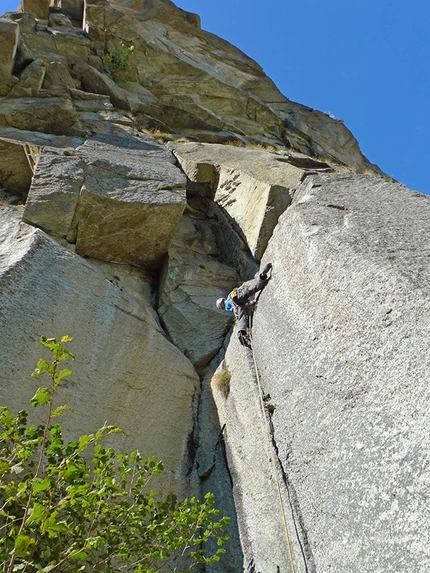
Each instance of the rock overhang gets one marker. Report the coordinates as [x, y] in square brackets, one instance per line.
[119, 199]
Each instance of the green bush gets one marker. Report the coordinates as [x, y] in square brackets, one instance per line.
[118, 60]
[80, 506]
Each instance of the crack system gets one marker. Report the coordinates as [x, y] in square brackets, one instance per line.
[296, 515]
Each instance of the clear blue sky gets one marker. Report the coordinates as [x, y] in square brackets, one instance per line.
[365, 61]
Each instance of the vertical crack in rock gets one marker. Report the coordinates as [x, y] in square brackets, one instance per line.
[299, 526]
[215, 474]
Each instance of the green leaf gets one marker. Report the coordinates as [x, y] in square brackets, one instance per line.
[84, 441]
[6, 417]
[23, 545]
[52, 527]
[42, 396]
[37, 513]
[62, 374]
[42, 367]
[59, 411]
[41, 485]
[50, 343]
[48, 568]
[71, 473]
[66, 338]
[81, 555]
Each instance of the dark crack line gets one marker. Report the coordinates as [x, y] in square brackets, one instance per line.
[298, 527]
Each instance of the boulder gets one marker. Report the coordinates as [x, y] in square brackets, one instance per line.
[94, 81]
[25, 21]
[37, 8]
[341, 340]
[71, 44]
[9, 32]
[57, 78]
[131, 201]
[119, 348]
[54, 191]
[192, 280]
[119, 199]
[59, 20]
[73, 9]
[53, 115]
[30, 80]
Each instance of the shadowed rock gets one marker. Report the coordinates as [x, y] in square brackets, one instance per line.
[52, 115]
[17, 162]
[30, 81]
[9, 33]
[192, 281]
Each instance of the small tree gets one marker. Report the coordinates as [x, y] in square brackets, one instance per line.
[118, 60]
[81, 506]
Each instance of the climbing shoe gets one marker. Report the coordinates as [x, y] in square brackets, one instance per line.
[244, 338]
[263, 274]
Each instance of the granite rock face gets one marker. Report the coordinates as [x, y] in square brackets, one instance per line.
[119, 200]
[177, 78]
[120, 379]
[323, 460]
[37, 8]
[252, 186]
[193, 279]
[341, 339]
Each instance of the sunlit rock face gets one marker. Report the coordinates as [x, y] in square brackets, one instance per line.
[132, 196]
[119, 345]
[167, 74]
[252, 186]
[341, 341]
[119, 200]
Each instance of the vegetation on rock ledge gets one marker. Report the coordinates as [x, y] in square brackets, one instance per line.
[118, 59]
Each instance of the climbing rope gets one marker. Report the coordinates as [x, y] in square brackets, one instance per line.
[270, 444]
[273, 459]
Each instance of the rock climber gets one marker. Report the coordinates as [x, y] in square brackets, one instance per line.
[240, 302]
